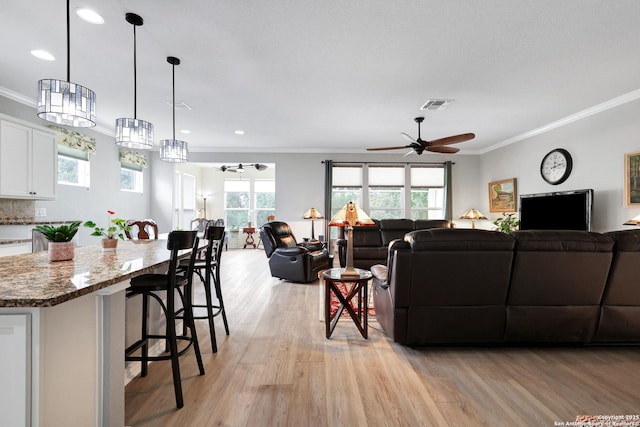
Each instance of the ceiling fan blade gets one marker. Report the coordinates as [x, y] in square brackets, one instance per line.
[388, 148]
[452, 139]
[408, 137]
[260, 166]
[441, 149]
[408, 153]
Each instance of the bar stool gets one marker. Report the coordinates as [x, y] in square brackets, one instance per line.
[215, 236]
[148, 285]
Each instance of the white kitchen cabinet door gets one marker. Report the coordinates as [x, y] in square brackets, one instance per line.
[44, 161]
[15, 170]
[28, 162]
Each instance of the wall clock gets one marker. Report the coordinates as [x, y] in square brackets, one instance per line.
[556, 166]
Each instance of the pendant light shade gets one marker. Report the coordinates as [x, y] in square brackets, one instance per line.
[132, 132]
[172, 150]
[66, 103]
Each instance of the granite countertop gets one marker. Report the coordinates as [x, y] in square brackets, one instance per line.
[30, 280]
[13, 241]
[15, 220]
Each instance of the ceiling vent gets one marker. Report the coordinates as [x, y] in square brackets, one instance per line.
[436, 104]
[180, 105]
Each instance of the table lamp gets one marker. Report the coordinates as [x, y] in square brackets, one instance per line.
[348, 216]
[473, 214]
[633, 221]
[312, 214]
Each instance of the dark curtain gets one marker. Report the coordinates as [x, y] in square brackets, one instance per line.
[448, 192]
[328, 186]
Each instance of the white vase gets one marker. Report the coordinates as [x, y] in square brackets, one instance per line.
[61, 251]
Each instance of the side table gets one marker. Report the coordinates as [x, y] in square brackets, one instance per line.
[356, 290]
[249, 240]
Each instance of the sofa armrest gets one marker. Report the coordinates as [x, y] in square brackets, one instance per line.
[292, 251]
[312, 246]
[379, 273]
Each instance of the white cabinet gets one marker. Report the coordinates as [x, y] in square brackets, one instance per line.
[28, 162]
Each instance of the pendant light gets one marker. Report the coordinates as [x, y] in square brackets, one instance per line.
[173, 150]
[131, 132]
[66, 103]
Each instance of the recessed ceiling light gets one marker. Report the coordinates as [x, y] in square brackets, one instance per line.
[239, 132]
[90, 16]
[185, 131]
[43, 54]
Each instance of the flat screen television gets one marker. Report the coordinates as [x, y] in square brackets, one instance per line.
[565, 210]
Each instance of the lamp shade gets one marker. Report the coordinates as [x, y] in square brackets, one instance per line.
[473, 214]
[173, 150]
[312, 214]
[633, 221]
[350, 214]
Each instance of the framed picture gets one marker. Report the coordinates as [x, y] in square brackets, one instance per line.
[503, 196]
[632, 179]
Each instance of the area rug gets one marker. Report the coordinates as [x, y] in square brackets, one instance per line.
[335, 303]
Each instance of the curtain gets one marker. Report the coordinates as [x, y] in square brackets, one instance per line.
[328, 186]
[133, 158]
[448, 192]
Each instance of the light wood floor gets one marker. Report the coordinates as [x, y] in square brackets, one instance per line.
[278, 369]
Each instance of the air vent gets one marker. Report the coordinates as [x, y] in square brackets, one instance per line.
[436, 104]
[180, 105]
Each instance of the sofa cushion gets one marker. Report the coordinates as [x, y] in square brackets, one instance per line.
[622, 286]
[367, 235]
[457, 239]
[425, 224]
[391, 229]
[559, 268]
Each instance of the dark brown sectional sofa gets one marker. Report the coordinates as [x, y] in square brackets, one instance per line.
[461, 286]
[370, 243]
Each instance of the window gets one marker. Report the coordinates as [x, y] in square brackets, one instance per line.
[386, 192]
[131, 178]
[184, 202]
[265, 200]
[73, 167]
[237, 198]
[391, 191]
[427, 193]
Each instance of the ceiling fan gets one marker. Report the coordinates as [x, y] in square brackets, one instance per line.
[437, 145]
[241, 168]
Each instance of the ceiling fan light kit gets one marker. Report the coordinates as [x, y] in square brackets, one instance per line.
[173, 150]
[63, 102]
[240, 168]
[132, 132]
[419, 145]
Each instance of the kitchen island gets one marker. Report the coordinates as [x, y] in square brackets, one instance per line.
[62, 333]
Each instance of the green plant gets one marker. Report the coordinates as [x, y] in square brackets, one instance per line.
[62, 233]
[507, 223]
[117, 227]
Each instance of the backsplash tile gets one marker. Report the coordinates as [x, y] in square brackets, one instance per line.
[15, 210]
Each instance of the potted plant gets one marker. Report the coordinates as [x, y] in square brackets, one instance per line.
[507, 223]
[61, 248]
[110, 235]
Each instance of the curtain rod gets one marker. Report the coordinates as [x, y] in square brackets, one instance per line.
[389, 163]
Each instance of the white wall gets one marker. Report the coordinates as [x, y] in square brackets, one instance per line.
[597, 145]
[300, 182]
[77, 203]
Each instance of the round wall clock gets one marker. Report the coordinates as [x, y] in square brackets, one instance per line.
[556, 166]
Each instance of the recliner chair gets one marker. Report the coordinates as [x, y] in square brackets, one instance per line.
[290, 260]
